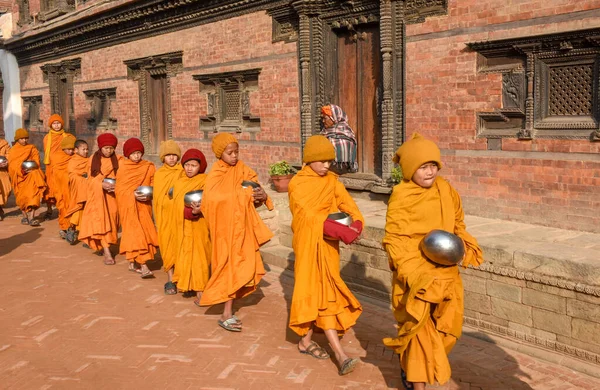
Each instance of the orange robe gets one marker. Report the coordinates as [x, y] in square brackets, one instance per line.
[164, 178]
[77, 168]
[139, 240]
[100, 219]
[28, 188]
[427, 298]
[191, 239]
[55, 188]
[4, 176]
[60, 173]
[320, 295]
[236, 232]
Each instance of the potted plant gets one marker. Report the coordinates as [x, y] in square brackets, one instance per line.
[397, 175]
[281, 173]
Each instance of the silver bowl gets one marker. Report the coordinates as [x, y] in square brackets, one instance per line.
[192, 196]
[3, 160]
[144, 190]
[170, 193]
[248, 183]
[443, 248]
[28, 164]
[109, 180]
[343, 218]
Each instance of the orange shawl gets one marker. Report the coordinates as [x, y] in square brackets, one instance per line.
[99, 221]
[4, 176]
[28, 188]
[427, 298]
[320, 295]
[56, 157]
[164, 178]
[236, 231]
[191, 239]
[138, 234]
[78, 166]
[61, 192]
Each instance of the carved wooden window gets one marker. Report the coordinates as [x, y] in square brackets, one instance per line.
[24, 13]
[101, 104]
[60, 77]
[228, 101]
[52, 8]
[31, 112]
[549, 86]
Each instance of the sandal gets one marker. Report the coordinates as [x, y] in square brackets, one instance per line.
[34, 222]
[348, 366]
[25, 221]
[72, 236]
[132, 268]
[230, 325]
[197, 303]
[314, 350]
[170, 288]
[109, 262]
[147, 275]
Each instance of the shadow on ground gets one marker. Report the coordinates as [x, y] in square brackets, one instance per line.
[7, 245]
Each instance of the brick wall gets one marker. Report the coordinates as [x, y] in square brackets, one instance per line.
[218, 47]
[544, 181]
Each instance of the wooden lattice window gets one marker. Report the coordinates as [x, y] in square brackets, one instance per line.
[60, 77]
[101, 105]
[31, 112]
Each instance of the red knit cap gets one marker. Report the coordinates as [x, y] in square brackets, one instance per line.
[195, 154]
[132, 145]
[107, 139]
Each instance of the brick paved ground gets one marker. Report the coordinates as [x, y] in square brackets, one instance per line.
[68, 321]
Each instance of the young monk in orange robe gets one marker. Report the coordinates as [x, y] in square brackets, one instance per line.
[4, 177]
[53, 155]
[139, 241]
[427, 298]
[192, 242]
[78, 173]
[28, 185]
[99, 221]
[236, 230]
[321, 299]
[162, 204]
[61, 180]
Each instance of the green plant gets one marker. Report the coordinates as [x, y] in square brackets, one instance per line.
[397, 175]
[281, 168]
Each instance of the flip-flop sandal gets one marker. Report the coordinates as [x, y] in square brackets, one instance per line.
[348, 366]
[407, 385]
[34, 222]
[228, 325]
[133, 269]
[197, 303]
[147, 275]
[170, 288]
[25, 221]
[315, 351]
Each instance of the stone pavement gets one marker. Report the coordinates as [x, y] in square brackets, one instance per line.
[70, 322]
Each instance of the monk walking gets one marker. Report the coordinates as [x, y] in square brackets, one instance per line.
[236, 230]
[61, 180]
[53, 155]
[427, 298]
[162, 203]
[99, 221]
[139, 241]
[189, 228]
[5, 186]
[321, 299]
[78, 173]
[29, 185]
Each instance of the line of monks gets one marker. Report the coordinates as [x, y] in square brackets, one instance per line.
[211, 247]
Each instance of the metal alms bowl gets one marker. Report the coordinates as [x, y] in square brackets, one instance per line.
[109, 181]
[192, 196]
[443, 248]
[170, 193]
[343, 218]
[3, 159]
[28, 164]
[144, 190]
[248, 183]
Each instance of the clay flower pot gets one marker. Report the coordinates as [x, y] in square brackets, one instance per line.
[281, 182]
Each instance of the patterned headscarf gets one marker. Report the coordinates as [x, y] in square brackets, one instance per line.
[341, 136]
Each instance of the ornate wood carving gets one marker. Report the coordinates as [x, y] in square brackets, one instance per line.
[228, 102]
[167, 65]
[31, 112]
[101, 104]
[24, 13]
[418, 10]
[285, 24]
[561, 89]
[52, 8]
[63, 72]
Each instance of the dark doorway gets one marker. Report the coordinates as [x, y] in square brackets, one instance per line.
[157, 102]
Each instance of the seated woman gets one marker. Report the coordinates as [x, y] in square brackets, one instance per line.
[334, 126]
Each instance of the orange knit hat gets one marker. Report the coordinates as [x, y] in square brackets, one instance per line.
[220, 142]
[56, 118]
[318, 148]
[21, 133]
[416, 152]
[68, 142]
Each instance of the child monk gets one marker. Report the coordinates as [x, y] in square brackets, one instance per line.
[427, 298]
[78, 173]
[236, 230]
[28, 185]
[61, 180]
[139, 241]
[53, 156]
[5, 186]
[99, 221]
[321, 299]
[162, 203]
[189, 228]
